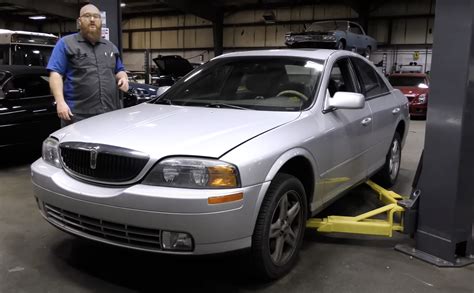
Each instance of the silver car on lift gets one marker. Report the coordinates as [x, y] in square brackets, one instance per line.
[237, 154]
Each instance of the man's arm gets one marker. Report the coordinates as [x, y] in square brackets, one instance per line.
[56, 85]
[122, 80]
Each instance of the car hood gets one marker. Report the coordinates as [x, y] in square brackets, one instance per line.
[411, 90]
[163, 130]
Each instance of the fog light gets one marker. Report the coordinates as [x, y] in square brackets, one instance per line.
[176, 241]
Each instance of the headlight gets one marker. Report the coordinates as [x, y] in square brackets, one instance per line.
[50, 152]
[329, 38]
[422, 99]
[193, 173]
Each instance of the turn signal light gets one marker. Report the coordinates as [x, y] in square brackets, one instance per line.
[225, 198]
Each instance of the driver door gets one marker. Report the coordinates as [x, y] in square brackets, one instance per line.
[347, 132]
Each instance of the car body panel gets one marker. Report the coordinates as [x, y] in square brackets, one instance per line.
[336, 145]
[28, 114]
[413, 92]
[351, 34]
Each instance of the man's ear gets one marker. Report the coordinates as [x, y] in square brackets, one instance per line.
[78, 23]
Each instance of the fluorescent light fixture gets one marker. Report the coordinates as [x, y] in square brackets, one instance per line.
[37, 17]
[123, 4]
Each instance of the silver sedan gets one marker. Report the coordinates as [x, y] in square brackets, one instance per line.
[237, 154]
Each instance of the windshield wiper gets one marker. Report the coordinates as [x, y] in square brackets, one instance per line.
[163, 101]
[224, 105]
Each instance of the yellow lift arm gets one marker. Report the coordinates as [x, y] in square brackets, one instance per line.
[363, 224]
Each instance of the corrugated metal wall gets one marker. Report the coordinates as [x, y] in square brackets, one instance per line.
[191, 36]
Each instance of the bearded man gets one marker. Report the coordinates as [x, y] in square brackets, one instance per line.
[86, 72]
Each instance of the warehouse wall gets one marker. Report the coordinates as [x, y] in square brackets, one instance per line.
[400, 29]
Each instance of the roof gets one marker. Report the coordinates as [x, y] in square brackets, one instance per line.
[20, 69]
[5, 31]
[322, 54]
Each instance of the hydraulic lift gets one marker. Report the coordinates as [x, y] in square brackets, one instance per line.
[366, 223]
[440, 210]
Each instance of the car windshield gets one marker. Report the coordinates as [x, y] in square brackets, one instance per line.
[257, 83]
[406, 80]
[325, 26]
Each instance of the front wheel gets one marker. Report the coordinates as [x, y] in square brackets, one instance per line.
[280, 227]
[387, 176]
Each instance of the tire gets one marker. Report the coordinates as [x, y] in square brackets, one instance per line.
[274, 254]
[387, 176]
[340, 45]
[367, 52]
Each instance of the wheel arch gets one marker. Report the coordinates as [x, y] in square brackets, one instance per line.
[301, 164]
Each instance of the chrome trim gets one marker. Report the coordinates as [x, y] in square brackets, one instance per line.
[95, 149]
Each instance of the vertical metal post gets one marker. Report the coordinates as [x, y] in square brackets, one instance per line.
[444, 234]
[218, 30]
[114, 19]
[147, 67]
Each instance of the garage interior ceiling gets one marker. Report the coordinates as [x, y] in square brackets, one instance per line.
[57, 10]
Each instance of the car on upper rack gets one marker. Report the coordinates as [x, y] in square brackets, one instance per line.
[27, 109]
[337, 34]
[415, 86]
[238, 154]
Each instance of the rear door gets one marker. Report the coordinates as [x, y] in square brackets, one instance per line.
[385, 111]
[27, 112]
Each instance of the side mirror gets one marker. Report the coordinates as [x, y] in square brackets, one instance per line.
[345, 100]
[15, 94]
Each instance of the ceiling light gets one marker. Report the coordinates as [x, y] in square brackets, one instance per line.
[37, 17]
[123, 4]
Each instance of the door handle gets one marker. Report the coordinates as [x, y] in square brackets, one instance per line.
[395, 111]
[366, 121]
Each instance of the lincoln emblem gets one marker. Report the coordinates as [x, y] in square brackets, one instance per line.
[93, 159]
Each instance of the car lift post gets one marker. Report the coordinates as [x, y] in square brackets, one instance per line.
[445, 213]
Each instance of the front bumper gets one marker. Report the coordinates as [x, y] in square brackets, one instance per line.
[418, 110]
[146, 211]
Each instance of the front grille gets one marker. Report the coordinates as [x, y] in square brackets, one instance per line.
[102, 163]
[141, 238]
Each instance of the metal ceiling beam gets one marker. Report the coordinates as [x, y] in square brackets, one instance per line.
[53, 7]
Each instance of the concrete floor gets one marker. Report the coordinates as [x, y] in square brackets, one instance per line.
[35, 257]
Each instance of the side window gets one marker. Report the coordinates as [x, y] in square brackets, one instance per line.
[32, 85]
[371, 82]
[355, 29]
[341, 78]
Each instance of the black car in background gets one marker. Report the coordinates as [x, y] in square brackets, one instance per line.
[141, 92]
[170, 69]
[27, 109]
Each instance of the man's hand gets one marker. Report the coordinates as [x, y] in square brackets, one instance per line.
[122, 83]
[63, 111]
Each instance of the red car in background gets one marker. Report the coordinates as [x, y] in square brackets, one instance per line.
[415, 86]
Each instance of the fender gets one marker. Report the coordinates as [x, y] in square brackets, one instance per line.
[278, 164]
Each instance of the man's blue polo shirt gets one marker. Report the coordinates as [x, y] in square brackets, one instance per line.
[88, 72]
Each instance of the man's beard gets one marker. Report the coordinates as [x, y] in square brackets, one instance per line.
[92, 36]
